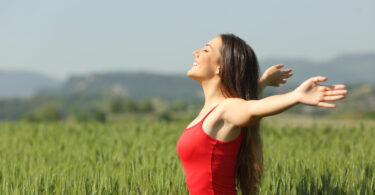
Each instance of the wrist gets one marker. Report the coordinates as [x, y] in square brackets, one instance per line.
[296, 96]
[263, 80]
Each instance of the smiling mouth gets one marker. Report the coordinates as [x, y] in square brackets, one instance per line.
[195, 64]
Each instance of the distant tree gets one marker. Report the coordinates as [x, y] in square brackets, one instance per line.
[165, 116]
[179, 106]
[145, 106]
[80, 116]
[99, 115]
[93, 114]
[130, 105]
[30, 117]
[49, 111]
[116, 105]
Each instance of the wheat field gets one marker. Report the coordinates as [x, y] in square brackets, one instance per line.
[301, 156]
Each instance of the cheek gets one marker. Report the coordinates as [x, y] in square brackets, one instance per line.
[204, 59]
[208, 63]
[214, 61]
[208, 60]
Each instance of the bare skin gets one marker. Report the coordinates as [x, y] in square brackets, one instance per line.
[231, 114]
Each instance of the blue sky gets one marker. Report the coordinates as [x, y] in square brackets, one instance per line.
[61, 38]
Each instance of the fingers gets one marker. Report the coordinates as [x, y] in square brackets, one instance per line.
[335, 87]
[328, 87]
[326, 105]
[336, 92]
[333, 98]
[278, 66]
[286, 71]
[287, 75]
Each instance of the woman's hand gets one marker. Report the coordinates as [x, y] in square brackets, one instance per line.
[313, 94]
[274, 75]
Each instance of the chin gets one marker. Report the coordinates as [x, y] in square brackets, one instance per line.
[190, 73]
[193, 76]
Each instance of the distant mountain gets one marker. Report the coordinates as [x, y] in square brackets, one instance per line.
[91, 91]
[347, 68]
[24, 83]
[135, 84]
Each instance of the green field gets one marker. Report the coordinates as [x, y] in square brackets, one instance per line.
[301, 156]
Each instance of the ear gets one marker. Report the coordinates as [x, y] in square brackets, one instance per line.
[217, 70]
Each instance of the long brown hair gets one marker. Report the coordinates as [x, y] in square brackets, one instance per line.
[239, 73]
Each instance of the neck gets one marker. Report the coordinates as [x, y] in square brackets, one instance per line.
[212, 93]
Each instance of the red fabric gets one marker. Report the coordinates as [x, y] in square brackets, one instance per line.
[209, 164]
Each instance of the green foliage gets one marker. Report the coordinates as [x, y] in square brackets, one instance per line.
[116, 105]
[130, 105]
[141, 158]
[48, 112]
[165, 116]
[119, 105]
[145, 106]
[99, 115]
[359, 103]
[179, 106]
[95, 114]
[369, 114]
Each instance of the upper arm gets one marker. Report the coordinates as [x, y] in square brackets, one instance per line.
[238, 112]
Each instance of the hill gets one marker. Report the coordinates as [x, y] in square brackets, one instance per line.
[347, 68]
[24, 83]
[140, 85]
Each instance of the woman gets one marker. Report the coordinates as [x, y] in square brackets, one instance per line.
[221, 148]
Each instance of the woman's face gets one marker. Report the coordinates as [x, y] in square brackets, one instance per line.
[205, 64]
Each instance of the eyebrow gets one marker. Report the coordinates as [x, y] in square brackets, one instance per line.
[209, 45]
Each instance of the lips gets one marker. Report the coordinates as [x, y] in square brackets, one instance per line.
[195, 63]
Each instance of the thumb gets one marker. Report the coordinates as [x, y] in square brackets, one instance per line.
[279, 65]
[318, 79]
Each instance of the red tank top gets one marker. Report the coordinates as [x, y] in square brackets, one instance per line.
[209, 164]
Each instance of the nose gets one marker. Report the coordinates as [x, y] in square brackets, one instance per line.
[196, 53]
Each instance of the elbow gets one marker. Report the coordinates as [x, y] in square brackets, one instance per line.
[254, 115]
[254, 119]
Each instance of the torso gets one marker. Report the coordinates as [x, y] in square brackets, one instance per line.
[215, 126]
[208, 149]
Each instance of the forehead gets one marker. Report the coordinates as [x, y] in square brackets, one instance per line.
[215, 42]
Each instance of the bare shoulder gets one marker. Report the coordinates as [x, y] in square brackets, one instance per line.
[223, 108]
[237, 111]
[231, 104]
[228, 102]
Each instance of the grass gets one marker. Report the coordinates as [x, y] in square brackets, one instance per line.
[322, 157]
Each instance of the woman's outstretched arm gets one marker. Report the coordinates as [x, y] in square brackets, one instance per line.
[273, 76]
[242, 112]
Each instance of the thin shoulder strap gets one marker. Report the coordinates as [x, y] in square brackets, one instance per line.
[210, 111]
